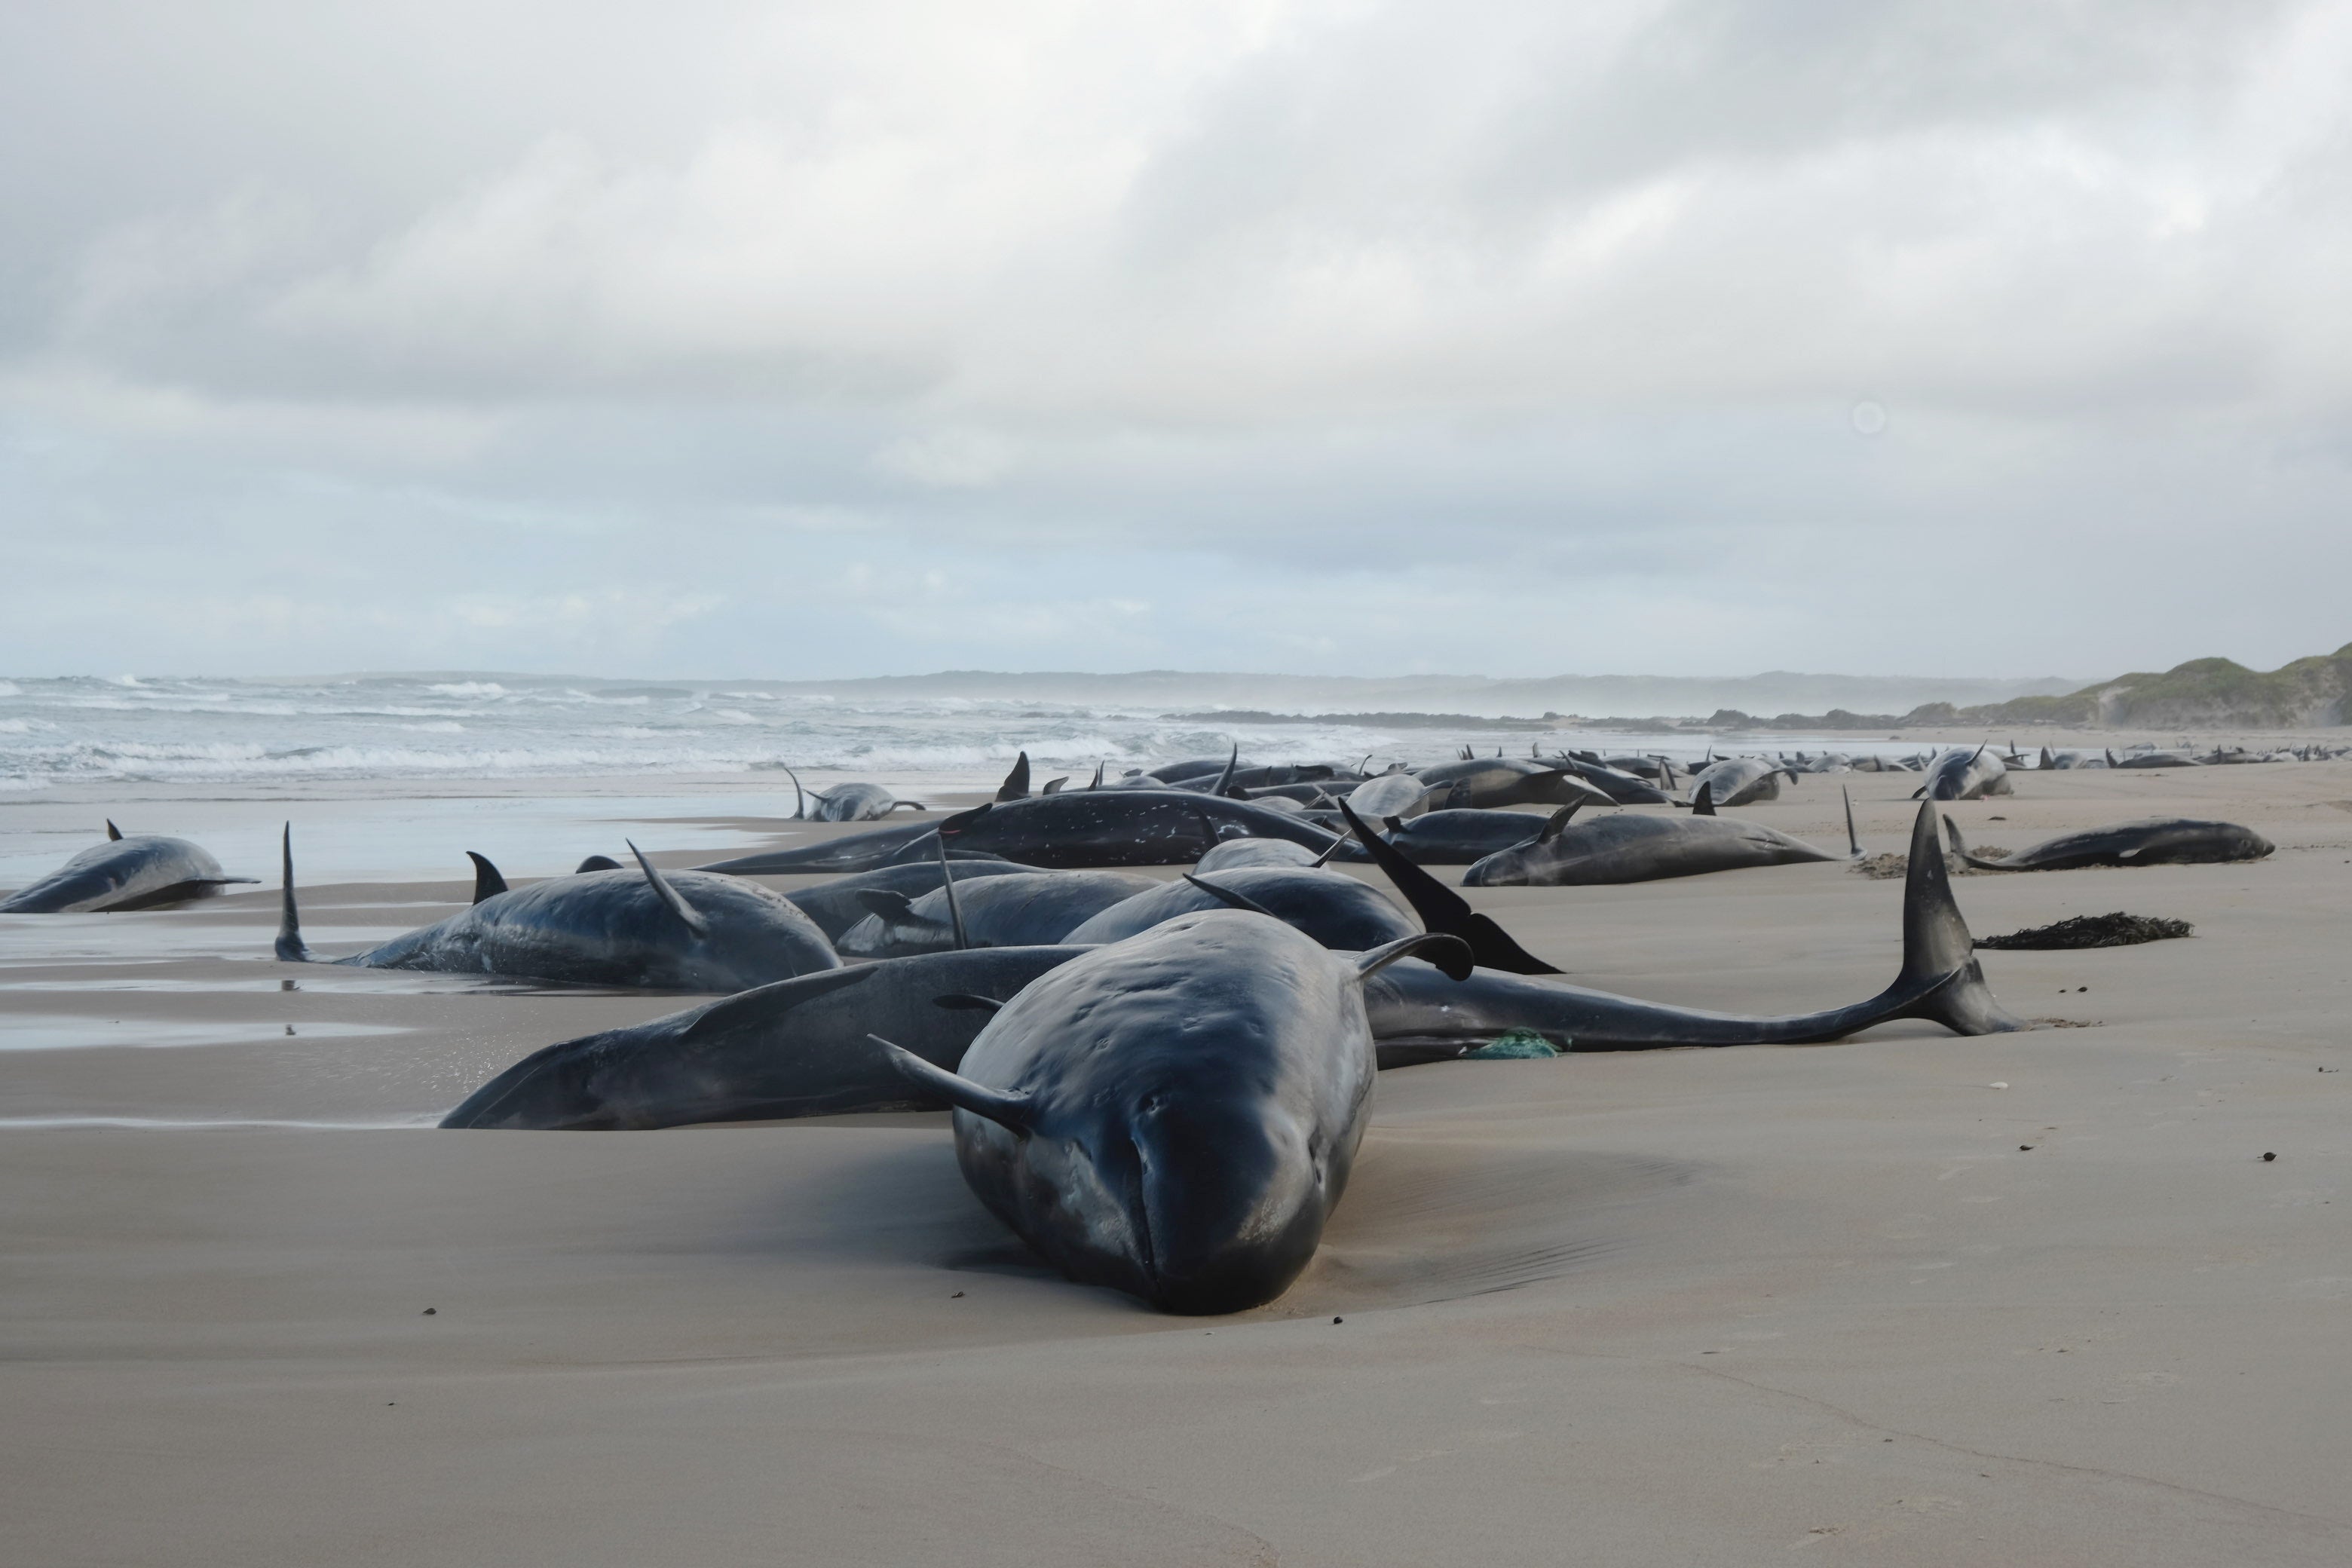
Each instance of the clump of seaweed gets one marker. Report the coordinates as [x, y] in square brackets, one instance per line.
[1513, 1044]
[2116, 930]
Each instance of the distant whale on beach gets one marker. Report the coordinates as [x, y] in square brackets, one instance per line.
[141, 871]
[638, 929]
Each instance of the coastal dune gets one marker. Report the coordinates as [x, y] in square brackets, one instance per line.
[1844, 1303]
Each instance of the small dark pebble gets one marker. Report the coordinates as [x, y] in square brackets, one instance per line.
[1343, 1320]
[430, 1310]
[2270, 1156]
[2025, 1148]
[2082, 988]
[957, 1297]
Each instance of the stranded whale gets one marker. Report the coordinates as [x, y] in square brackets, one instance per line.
[140, 871]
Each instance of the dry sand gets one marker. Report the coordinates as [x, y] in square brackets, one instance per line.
[1748, 1306]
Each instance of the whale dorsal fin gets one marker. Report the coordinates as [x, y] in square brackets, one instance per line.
[113, 833]
[597, 863]
[1016, 783]
[885, 905]
[669, 895]
[1225, 778]
[1853, 840]
[289, 922]
[1560, 820]
[1703, 802]
[1228, 896]
[800, 800]
[1053, 786]
[487, 883]
[1009, 1109]
[1098, 773]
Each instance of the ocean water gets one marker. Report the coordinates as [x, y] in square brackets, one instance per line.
[154, 730]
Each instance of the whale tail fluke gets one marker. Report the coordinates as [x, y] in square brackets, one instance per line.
[1939, 958]
[1960, 849]
[289, 922]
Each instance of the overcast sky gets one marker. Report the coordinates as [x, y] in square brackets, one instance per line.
[2001, 337]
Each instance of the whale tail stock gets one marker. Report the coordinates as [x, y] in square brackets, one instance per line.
[1960, 849]
[289, 922]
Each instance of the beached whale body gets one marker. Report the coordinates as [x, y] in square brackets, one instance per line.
[1391, 794]
[1336, 910]
[1740, 781]
[2151, 760]
[2152, 841]
[1624, 788]
[1630, 847]
[1964, 775]
[1419, 1015]
[844, 803]
[1453, 838]
[1483, 781]
[1035, 909]
[1238, 852]
[840, 904]
[639, 928]
[138, 872]
[797, 1047]
[1115, 828]
[1174, 1116]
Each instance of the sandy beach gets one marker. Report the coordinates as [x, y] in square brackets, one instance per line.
[1903, 1299]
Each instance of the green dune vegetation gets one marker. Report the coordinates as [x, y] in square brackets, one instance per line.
[2202, 694]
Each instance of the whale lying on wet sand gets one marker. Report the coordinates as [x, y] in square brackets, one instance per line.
[1417, 1016]
[1115, 827]
[1335, 909]
[1627, 846]
[1033, 909]
[837, 905]
[1174, 1116]
[1964, 775]
[2151, 841]
[796, 1048]
[844, 803]
[140, 871]
[1453, 838]
[1740, 781]
[684, 931]
[1486, 781]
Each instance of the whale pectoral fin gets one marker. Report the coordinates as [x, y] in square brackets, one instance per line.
[113, 833]
[1450, 954]
[906, 806]
[669, 895]
[597, 863]
[965, 1002]
[487, 883]
[1852, 839]
[800, 800]
[1444, 911]
[891, 907]
[1009, 1109]
[1228, 896]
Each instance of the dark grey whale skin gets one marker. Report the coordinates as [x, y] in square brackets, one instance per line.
[1336, 910]
[1117, 827]
[1035, 909]
[140, 871]
[1454, 838]
[1174, 1116]
[604, 928]
[836, 906]
[1630, 847]
[901, 845]
[797, 1047]
[2151, 841]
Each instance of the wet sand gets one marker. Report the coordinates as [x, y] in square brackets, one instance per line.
[1812, 1304]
